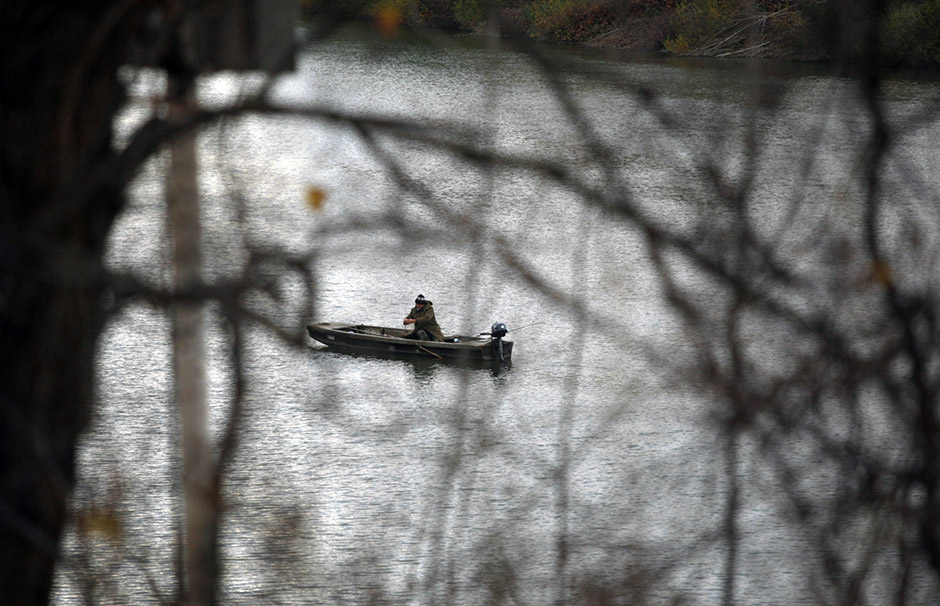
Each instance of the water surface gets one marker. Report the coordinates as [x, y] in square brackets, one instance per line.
[359, 478]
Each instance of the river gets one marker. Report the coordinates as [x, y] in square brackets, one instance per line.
[359, 479]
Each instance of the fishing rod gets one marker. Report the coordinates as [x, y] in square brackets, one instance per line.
[517, 329]
[526, 326]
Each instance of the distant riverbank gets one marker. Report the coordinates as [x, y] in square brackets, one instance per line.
[905, 34]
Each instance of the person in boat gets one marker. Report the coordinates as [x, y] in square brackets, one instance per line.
[425, 325]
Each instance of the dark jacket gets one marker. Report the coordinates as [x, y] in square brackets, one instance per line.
[425, 319]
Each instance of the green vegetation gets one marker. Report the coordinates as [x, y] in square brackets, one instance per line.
[569, 20]
[798, 29]
[910, 33]
[743, 28]
[698, 22]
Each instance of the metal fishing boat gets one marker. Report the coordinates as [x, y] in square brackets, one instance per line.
[384, 341]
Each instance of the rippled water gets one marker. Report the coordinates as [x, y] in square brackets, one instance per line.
[424, 482]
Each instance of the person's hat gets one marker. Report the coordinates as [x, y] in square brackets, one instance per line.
[419, 300]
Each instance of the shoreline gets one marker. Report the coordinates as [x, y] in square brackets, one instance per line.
[785, 34]
[906, 35]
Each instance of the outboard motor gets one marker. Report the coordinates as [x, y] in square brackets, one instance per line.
[497, 332]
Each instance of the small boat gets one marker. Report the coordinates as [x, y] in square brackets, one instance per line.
[383, 341]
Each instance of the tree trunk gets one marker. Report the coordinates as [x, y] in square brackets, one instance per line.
[189, 366]
[59, 97]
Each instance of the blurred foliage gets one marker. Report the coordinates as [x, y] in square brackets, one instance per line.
[696, 22]
[796, 29]
[570, 20]
[389, 15]
[768, 28]
[429, 13]
[316, 198]
[343, 8]
[104, 523]
[470, 13]
[910, 33]
[789, 30]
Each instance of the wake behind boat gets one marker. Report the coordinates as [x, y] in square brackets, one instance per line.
[385, 341]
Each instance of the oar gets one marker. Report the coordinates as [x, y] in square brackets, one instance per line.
[431, 352]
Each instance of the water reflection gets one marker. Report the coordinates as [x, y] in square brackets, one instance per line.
[423, 370]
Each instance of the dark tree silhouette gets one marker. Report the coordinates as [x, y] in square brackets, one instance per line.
[62, 185]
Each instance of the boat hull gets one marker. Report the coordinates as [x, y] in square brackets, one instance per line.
[391, 342]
